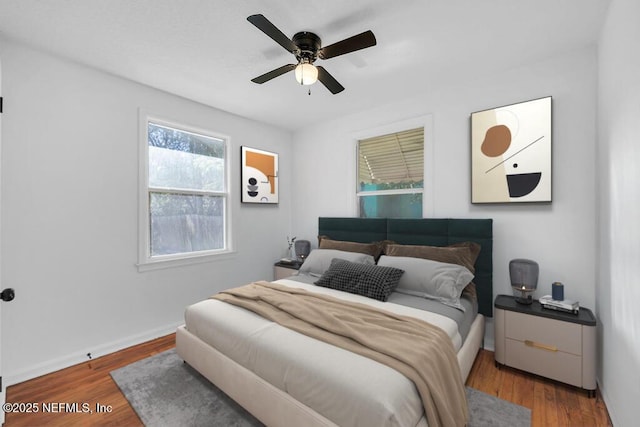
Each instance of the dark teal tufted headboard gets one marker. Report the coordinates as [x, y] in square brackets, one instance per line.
[428, 231]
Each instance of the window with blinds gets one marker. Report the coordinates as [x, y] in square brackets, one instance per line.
[391, 175]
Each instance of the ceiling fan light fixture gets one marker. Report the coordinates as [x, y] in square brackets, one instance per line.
[307, 47]
[306, 74]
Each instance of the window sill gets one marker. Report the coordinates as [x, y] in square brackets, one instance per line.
[172, 262]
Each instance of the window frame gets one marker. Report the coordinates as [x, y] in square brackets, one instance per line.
[145, 260]
[426, 122]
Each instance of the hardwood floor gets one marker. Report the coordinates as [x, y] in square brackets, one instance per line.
[551, 403]
[88, 382]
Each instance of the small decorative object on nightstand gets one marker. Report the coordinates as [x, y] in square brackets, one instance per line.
[285, 268]
[291, 252]
[552, 344]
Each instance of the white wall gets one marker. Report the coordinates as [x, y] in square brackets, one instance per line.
[69, 214]
[560, 236]
[618, 292]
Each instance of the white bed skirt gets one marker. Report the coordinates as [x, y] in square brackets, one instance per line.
[269, 404]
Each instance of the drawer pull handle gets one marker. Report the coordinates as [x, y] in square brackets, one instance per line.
[540, 346]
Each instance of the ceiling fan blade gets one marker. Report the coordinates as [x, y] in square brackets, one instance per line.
[328, 80]
[357, 42]
[273, 73]
[264, 25]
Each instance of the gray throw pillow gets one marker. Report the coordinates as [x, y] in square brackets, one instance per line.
[319, 260]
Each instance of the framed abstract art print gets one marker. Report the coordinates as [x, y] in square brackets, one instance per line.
[511, 153]
[259, 176]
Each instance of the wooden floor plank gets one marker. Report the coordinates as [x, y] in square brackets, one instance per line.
[551, 403]
[562, 405]
[538, 410]
[522, 389]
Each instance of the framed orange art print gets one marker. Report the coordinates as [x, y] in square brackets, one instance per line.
[259, 176]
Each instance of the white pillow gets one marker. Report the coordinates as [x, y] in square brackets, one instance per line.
[319, 260]
[430, 279]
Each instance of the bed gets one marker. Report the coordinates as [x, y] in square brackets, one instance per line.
[285, 378]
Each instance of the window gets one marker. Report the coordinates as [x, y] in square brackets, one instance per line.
[391, 175]
[184, 200]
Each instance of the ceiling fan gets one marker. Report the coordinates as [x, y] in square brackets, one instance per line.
[307, 47]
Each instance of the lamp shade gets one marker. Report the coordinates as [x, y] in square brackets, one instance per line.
[306, 74]
[524, 278]
[523, 274]
[303, 247]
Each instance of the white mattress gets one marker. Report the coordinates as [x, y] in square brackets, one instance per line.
[348, 389]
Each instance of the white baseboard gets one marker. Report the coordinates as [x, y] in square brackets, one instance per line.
[11, 378]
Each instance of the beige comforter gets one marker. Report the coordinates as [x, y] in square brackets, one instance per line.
[419, 350]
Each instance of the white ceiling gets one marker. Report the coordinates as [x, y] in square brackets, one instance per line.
[207, 51]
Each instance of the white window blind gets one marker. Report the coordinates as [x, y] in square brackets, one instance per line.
[391, 174]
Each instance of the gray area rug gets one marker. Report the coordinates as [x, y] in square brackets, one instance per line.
[164, 391]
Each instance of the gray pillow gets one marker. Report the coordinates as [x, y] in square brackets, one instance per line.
[368, 280]
[319, 260]
[430, 279]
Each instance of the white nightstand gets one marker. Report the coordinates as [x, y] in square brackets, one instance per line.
[560, 346]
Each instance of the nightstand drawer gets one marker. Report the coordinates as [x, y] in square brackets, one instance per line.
[556, 365]
[561, 336]
[283, 270]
